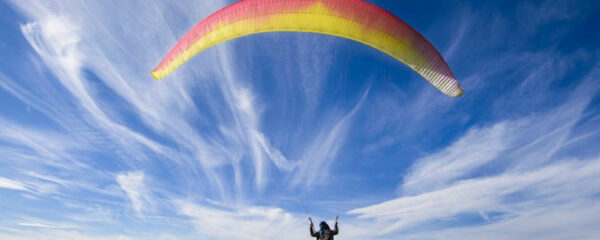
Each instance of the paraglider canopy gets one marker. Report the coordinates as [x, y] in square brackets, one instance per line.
[352, 19]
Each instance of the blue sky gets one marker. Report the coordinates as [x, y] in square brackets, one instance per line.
[251, 137]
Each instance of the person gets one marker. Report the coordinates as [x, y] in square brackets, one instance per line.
[324, 233]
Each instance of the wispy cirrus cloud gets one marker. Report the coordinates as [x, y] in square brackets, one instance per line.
[325, 147]
[11, 184]
[43, 224]
[92, 93]
[245, 222]
[66, 46]
[546, 188]
[534, 139]
[529, 179]
[199, 154]
[60, 234]
[259, 222]
[134, 185]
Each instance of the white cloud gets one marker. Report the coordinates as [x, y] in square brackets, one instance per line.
[66, 41]
[64, 36]
[245, 130]
[43, 146]
[477, 148]
[464, 25]
[215, 143]
[61, 235]
[569, 221]
[529, 181]
[134, 185]
[524, 143]
[324, 148]
[11, 184]
[44, 225]
[220, 222]
[545, 188]
[58, 41]
[244, 222]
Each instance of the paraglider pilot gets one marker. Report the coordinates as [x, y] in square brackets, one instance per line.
[324, 233]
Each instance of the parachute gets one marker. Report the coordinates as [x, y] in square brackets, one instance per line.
[351, 19]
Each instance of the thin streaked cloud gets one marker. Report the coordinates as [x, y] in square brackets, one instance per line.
[252, 136]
